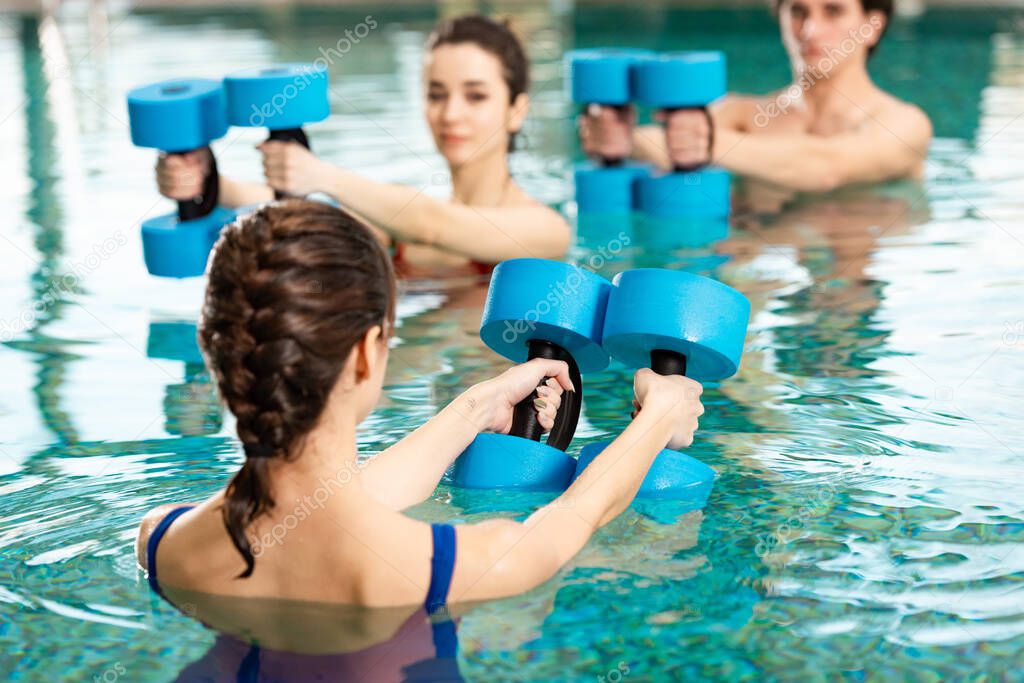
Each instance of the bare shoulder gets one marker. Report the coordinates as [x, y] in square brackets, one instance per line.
[905, 119]
[739, 102]
[146, 527]
[737, 110]
[529, 211]
[521, 200]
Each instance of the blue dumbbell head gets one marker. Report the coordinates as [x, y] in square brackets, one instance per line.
[656, 309]
[602, 189]
[173, 248]
[540, 299]
[177, 116]
[545, 300]
[277, 97]
[673, 476]
[500, 461]
[602, 76]
[680, 79]
[699, 194]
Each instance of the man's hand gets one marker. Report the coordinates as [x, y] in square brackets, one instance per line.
[687, 137]
[606, 132]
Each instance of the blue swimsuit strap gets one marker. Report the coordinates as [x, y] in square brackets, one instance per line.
[442, 565]
[154, 541]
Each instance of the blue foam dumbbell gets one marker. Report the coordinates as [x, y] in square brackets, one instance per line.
[683, 80]
[604, 77]
[177, 117]
[537, 309]
[676, 323]
[282, 98]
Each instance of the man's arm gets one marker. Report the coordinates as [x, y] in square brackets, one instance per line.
[891, 145]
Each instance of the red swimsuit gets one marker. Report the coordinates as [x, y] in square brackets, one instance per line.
[401, 265]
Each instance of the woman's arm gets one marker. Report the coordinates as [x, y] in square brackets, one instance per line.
[181, 177]
[486, 234]
[408, 472]
[235, 193]
[501, 557]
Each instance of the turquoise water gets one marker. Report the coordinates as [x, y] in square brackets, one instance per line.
[868, 518]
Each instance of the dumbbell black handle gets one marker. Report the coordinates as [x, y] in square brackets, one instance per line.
[665, 362]
[205, 203]
[524, 416]
[711, 137]
[296, 135]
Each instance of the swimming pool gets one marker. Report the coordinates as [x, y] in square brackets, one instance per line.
[868, 518]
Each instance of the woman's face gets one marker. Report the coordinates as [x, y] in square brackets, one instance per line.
[467, 106]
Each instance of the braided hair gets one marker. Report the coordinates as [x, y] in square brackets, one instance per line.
[292, 288]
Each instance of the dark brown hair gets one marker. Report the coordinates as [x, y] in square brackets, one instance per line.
[883, 6]
[491, 36]
[292, 288]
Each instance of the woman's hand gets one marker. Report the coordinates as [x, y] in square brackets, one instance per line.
[495, 399]
[671, 397]
[181, 176]
[291, 168]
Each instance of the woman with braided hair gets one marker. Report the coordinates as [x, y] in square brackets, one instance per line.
[297, 313]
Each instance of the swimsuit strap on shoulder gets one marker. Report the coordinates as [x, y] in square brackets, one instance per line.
[154, 541]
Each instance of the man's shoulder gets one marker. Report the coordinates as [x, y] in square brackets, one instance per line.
[894, 112]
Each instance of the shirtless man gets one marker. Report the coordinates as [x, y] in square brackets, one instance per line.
[831, 127]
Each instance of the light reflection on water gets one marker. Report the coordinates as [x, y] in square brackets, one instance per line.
[868, 511]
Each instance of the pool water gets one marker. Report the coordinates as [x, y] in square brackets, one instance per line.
[867, 522]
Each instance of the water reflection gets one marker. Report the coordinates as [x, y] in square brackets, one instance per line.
[192, 407]
[825, 248]
[52, 283]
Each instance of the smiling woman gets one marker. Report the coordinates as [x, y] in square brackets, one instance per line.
[475, 76]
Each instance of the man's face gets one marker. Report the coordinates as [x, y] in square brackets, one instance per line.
[826, 34]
